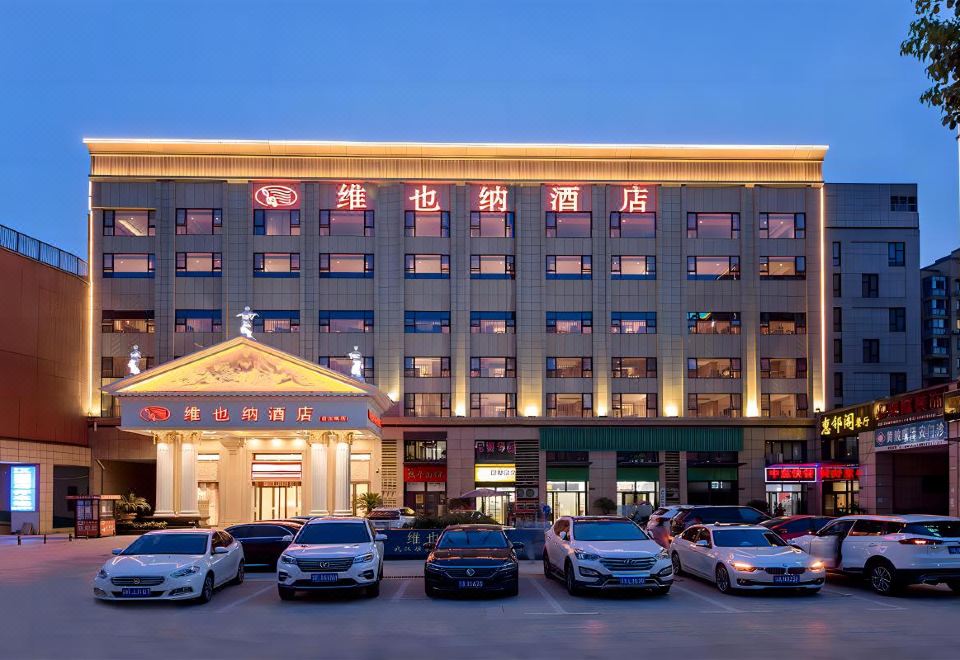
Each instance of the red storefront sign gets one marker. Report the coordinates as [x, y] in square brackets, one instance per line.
[489, 197]
[920, 405]
[794, 473]
[426, 197]
[154, 414]
[633, 198]
[375, 419]
[423, 473]
[840, 472]
[567, 197]
[276, 195]
[351, 197]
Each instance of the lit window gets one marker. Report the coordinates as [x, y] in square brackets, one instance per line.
[277, 321]
[424, 404]
[344, 265]
[493, 367]
[127, 321]
[713, 323]
[714, 405]
[634, 367]
[129, 223]
[568, 225]
[199, 221]
[713, 268]
[783, 225]
[426, 367]
[713, 225]
[276, 264]
[272, 222]
[624, 267]
[491, 267]
[569, 405]
[569, 367]
[784, 268]
[427, 266]
[493, 405]
[198, 320]
[344, 365]
[783, 367]
[199, 264]
[346, 321]
[346, 223]
[783, 323]
[634, 405]
[633, 323]
[420, 223]
[491, 225]
[127, 265]
[713, 368]
[570, 323]
[633, 225]
[426, 322]
[494, 323]
[569, 267]
[783, 405]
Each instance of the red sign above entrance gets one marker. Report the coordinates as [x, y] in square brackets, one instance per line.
[424, 473]
[154, 414]
[801, 473]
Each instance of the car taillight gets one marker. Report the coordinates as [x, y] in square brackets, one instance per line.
[920, 542]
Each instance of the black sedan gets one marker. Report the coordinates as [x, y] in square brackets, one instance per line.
[469, 559]
[263, 541]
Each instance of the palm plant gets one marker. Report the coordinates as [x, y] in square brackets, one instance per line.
[368, 502]
[132, 503]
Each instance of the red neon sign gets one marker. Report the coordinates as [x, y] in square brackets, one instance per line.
[373, 418]
[275, 196]
[802, 473]
[154, 414]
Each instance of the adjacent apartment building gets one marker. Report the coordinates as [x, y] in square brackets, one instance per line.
[940, 315]
[555, 323]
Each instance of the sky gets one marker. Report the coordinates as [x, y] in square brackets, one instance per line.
[679, 71]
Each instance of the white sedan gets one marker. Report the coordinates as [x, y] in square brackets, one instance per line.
[171, 565]
[744, 557]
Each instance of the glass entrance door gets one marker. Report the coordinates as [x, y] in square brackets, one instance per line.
[275, 501]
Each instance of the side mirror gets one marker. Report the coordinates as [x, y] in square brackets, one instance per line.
[563, 536]
[380, 537]
[429, 546]
[288, 538]
[794, 545]
[702, 544]
[118, 551]
[220, 550]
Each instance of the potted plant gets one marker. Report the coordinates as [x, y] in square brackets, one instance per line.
[368, 502]
[128, 506]
[605, 505]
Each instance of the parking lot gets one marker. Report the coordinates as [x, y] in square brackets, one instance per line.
[48, 612]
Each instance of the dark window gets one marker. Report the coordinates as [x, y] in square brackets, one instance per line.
[346, 321]
[425, 451]
[838, 319]
[903, 203]
[837, 288]
[567, 225]
[566, 323]
[837, 351]
[870, 285]
[634, 367]
[633, 323]
[898, 383]
[838, 385]
[896, 255]
[633, 225]
[785, 451]
[871, 351]
[426, 322]
[898, 319]
[198, 320]
[494, 323]
[836, 254]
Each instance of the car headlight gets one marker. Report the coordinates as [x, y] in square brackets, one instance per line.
[586, 556]
[102, 575]
[744, 567]
[816, 566]
[433, 567]
[508, 566]
[185, 571]
[363, 559]
[287, 559]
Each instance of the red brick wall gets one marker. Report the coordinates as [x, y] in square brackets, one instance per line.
[42, 352]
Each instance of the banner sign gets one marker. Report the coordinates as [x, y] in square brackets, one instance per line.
[632, 198]
[925, 433]
[925, 404]
[847, 421]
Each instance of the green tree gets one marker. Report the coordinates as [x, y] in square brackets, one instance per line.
[369, 501]
[934, 39]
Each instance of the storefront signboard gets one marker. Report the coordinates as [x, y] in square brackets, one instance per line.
[426, 197]
[567, 197]
[23, 488]
[847, 421]
[352, 196]
[495, 451]
[276, 195]
[506, 474]
[489, 197]
[840, 472]
[925, 404]
[926, 433]
[424, 473]
[632, 198]
[794, 473]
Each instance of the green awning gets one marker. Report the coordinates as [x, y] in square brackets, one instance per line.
[643, 438]
[712, 474]
[568, 473]
[632, 473]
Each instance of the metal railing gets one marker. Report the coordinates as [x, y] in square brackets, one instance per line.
[45, 253]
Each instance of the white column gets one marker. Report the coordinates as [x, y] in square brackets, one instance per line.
[165, 446]
[318, 476]
[188, 474]
[342, 502]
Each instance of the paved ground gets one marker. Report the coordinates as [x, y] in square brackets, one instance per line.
[47, 611]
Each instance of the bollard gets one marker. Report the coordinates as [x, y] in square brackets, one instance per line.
[70, 537]
[19, 542]
[44, 539]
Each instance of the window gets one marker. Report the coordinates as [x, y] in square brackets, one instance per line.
[493, 323]
[784, 451]
[633, 323]
[118, 264]
[714, 405]
[870, 285]
[569, 267]
[426, 322]
[898, 319]
[199, 264]
[493, 405]
[838, 319]
[570, 323]
[426, 367]
[903, 203]
[713, 367]
[713, 225]
[345, 321]
[713, 268]
[569, 367]
[935, 285]
[491, 225]
[277, 321]
[838, 351]
[898, 383]
[346, 223]
[871, 351]
[783, 225]
[491, 267]
[837, 288]
[272, 222]
[783, 405]
[783, 268]
[569, 405]
[127, 321]
[633, 268]
[936, 326]
[493, 367]
[713, 323]
[783, 367]
[129, 223]
[633, 367]
[198, 320]
[344, 365]
[838, 385]
[425, 451]
[193, 222]
[633, 225]
[276, 264]
[426, 266]
[426, 223]
[836, 254]
[424, 404]
[783, 323]
[634, 405]
[896, 254]
[568, 225]
[346, 265]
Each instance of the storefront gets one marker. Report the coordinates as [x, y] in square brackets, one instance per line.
[425, 472]
[712, 477]
[839, 478]
[495, 469]
[638, 480]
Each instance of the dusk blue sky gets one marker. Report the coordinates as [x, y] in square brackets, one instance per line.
[721, 71]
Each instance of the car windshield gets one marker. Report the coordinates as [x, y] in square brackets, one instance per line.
[947, 529]
[608, 530]
[773, 521]
[746, 538]
[336, 533]
[169, 544]
[473, 538]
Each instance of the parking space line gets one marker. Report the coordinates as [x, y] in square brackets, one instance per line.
[712, 601]
[244, 599]
[882, 606]
[403, 587]
[553, 602]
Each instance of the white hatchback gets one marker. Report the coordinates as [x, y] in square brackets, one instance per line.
[176, 564]
[734, 556]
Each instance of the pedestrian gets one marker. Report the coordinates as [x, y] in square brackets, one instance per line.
[644, 511]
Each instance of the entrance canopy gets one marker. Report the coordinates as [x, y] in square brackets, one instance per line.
[244, 387]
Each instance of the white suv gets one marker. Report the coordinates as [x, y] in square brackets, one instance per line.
[605, 552]
[332, 553]
[890, 551]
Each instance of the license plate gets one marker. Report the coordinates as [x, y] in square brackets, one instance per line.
[134, 592]
[954, 549]
[786, 579]
[323, 577]
[470, 584]
[632, 580]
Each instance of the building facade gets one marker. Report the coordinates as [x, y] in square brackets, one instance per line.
[940, 315]
[554, 323]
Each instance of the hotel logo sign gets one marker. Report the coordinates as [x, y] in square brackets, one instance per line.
[276, 196]
[154, 414]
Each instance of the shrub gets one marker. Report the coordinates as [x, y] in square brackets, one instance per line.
[605, 505]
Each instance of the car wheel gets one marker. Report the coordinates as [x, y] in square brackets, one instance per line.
[723, 580]
[206, 591]
[883, 578]
[238, 578]
[573, 587]
[677, 567]
[954, 585]
[547, 568]
[286, 593]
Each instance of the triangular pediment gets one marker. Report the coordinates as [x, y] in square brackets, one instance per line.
[239, 365]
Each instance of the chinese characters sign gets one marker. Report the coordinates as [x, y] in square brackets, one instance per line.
[910, 407]
[803, 473]
[506, 474]
[925, 433]
[847, 421]
[495, 451]
[567, 197]
[276, 195]
[489, 198]
[426, 197]
[424, 473]
[632, 198]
